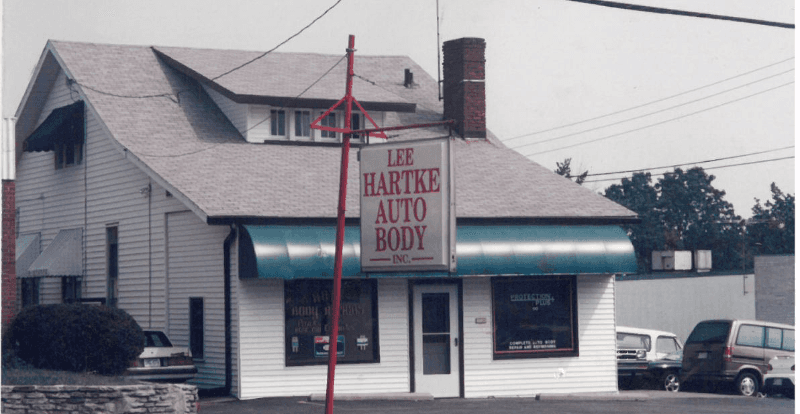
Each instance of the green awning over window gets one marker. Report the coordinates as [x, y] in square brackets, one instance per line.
[293, 252]
[64, 124]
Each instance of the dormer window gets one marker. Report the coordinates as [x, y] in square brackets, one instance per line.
[277, 122]
[302, 124]
[328, 121]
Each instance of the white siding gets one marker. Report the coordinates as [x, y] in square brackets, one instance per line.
[263, 372]
[594, 370]
[106, 189]
[195, 269]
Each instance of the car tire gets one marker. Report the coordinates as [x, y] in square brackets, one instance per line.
[670, 381]
[747, 384]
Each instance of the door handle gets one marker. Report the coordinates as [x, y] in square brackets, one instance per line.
[456, 342]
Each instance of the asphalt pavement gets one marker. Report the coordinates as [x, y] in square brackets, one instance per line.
[634, 401]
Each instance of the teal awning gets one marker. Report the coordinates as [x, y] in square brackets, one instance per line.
[64, 124]
[293, 252]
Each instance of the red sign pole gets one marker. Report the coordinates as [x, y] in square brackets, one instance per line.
[337, 264]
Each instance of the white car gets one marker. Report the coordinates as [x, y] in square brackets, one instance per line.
[650, 355]
[779, 378]
[162, 362]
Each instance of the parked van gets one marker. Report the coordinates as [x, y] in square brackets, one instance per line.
[733, 350]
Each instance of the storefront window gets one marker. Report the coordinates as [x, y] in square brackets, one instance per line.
[308, 322]
[534, 317]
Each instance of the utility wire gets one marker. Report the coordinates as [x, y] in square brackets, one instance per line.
[646, 104]
[299, 95]
[636, 7]
[705, 169]
[690, 163]
[651, 113]
[177, 97]
[280, 44]
[662, 122]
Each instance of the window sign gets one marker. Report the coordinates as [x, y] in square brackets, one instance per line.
[534, 317]
[407, 207]
[308, 321]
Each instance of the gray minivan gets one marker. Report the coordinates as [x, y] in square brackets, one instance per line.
[735, 350]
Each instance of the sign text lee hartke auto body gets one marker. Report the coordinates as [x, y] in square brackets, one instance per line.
[407, 207]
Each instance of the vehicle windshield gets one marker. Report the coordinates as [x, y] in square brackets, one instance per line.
[633, 341]
[156, 339]
[710, 332]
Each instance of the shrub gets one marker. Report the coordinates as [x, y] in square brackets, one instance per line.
[74, 337]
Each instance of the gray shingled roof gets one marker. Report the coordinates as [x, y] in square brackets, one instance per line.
[189, 145]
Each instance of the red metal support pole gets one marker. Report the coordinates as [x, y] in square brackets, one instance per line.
[337, 264]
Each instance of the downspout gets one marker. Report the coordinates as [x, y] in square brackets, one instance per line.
[226, 246]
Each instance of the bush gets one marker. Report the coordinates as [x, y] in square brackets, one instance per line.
[74, 337]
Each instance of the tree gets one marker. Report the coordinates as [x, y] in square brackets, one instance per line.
[564, 169]
[772, 229]
[682, 211]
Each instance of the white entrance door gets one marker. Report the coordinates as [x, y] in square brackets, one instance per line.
[436, 340]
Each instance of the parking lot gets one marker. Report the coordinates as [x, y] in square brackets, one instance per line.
[638, 402]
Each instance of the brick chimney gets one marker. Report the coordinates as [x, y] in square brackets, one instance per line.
[464, 88]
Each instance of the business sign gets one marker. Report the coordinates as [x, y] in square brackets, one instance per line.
[407, 207]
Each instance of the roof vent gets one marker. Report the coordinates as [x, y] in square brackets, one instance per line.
[409, 79]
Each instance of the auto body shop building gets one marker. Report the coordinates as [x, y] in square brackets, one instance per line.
[205, 206]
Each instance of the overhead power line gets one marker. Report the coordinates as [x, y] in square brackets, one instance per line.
[651, 113]
[706, 169]
[646, 104]
[280, 44]
[659, 10]
[690, 163]
[662, 122]
[177, 94]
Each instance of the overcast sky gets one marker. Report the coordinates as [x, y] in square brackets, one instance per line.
[653, 89]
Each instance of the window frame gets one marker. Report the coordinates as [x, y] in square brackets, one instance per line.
[326, 121]
[672, 340]
[62, 156]
[301, 341]
[739, 336]
[70, 289]
[568, 282]
[112, 265]
[783, 339]
[300, 117]
[30, 290]
[277, 122]
[197, 327]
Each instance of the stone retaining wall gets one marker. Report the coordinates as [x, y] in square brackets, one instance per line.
[74, 399]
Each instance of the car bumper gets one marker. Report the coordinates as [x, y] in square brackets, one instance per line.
[778, 383]
[631, 369]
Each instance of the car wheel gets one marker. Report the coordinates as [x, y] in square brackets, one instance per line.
[747, 384]
[671, 381]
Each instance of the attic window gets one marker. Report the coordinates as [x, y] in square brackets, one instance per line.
[61, 132]
[277, 122]
[302, 123]
[328, 121]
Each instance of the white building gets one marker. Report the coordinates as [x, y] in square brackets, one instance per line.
[203, 205]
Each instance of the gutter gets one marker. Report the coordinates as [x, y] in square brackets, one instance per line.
[226, 246]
